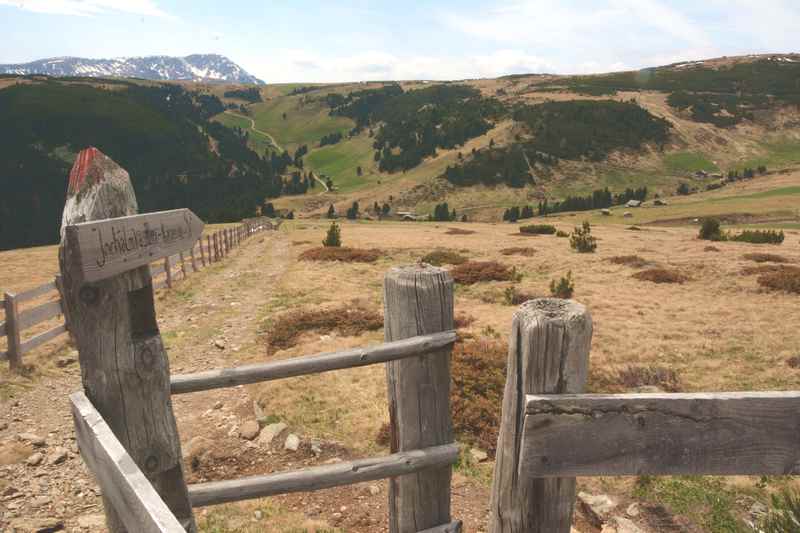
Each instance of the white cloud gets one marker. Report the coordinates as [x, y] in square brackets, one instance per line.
[307, 66]
[87, 8]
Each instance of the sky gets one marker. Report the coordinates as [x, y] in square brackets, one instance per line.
[347, 40]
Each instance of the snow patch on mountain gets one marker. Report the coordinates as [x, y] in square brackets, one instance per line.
[197, 67]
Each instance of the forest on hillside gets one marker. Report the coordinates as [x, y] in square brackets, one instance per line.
[161, 134]
[574, 130]
[412, 125]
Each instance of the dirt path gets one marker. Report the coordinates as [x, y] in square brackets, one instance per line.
[43, 481]
[253, 127]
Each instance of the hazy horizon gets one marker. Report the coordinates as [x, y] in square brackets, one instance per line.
[311, 41]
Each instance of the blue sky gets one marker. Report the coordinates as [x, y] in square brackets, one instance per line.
[344, 40]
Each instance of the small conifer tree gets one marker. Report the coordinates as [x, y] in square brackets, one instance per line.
[334, 236]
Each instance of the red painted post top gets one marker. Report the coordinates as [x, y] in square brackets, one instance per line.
[81, 170]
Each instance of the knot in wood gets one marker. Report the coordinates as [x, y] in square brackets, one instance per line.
[146, 357]
[89, 294]
[151, 463]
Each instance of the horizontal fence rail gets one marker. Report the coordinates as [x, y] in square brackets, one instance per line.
[732, 433]
[131, 494]
[299, 366]
[323, 477]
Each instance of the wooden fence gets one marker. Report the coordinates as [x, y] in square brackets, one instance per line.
[168, 270]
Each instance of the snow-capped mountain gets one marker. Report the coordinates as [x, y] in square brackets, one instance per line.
[197, 67]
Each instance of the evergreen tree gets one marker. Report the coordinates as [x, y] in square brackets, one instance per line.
[334, 237]
[331, 212]
[268, 210]
[352, 213]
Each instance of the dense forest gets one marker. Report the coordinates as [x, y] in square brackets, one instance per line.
[576, 129]
[252, 94]
[412, 125]
[160, 134]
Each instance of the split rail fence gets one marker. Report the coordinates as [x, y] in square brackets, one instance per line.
[207, 250]
[549, 434]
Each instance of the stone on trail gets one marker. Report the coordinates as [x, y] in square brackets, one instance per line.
[39, 525]
[624, 525]
[292, 442]
[35, 459]
[58, 456]
[600, 505]
[92, 522]
[249, 430]
[219, 343]
[32, 438]
[478, 455]
[271, 431]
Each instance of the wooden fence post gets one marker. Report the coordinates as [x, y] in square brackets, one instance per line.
[183, 264]
[191, 257]
[202, 252]
[418, 300]
[548, 353]
[209, 249]
[12, 331]
[168, 270]
[216, 246]
[60, 287]
[124, 366]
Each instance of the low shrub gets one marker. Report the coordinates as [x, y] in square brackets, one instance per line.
[458, 231]
[284, 331]
[711, 249]
[347, 255]
[563, 288]
[300, 243]
[770, 269]
[463, 320]
[519, 250]
[793, 362]
[759, 236]
[661, 275]
[538, 229]
[513, 296]
[582, 240]
[664, 378]
[334, 237]
[787, 280]
[562, 233]
[629, 260]
[766, 258]
[634, 228]
[476, 395]
[477, 271]
[710, 230]
[443, 257]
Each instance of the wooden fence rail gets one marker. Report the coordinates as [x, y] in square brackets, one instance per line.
[17, 320]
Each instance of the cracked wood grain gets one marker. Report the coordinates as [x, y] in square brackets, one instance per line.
[418, 300]
[738, 433]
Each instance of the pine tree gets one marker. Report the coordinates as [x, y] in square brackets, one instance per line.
[334, 237]
[331, 211]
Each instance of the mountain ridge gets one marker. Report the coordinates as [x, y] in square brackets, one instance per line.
[209, 68]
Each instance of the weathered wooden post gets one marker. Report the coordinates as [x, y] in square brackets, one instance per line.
[216, 246]
[12, 330]
[548, 353]
[202, 252]
[124, 367]
[168, 270]
[183, 264]
[227, 234]
[191, 257]
[419, 300]
[209, 249]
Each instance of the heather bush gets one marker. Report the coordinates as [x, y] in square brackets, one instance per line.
[538, 229]
[759, 236]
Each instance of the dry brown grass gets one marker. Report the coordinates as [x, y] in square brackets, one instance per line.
[346, 255]
[463, 320]
[760, 257]
[525, 251]
[661, 275]
[634, 377]
[629, 260]
[477, 271]
[443, 257]
[286, 329]
[459, 231]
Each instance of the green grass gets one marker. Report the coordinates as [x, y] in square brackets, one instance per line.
[304, 124]
[682, 163]
[256, 141]
[782, 191]
[778, 154]
[705, 500]
[339, 161]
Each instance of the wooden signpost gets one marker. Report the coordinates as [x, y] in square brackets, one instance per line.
[111, 246]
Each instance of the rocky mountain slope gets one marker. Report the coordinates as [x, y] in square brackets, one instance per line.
[197, 67]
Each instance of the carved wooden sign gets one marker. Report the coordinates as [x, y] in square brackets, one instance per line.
[115, 245]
